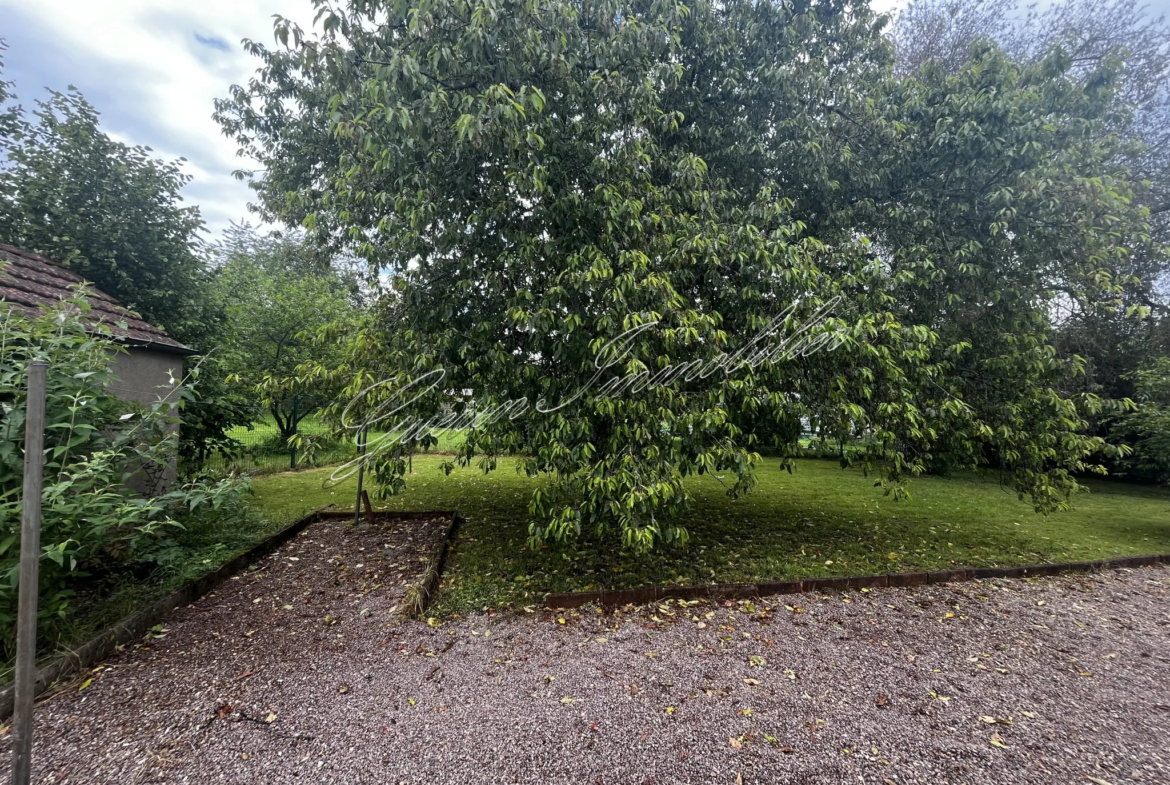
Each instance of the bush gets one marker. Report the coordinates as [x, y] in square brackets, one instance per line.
[93, 523]
[1146, 429]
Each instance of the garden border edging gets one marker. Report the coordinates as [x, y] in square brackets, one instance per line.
[138, 623]
[746, 591]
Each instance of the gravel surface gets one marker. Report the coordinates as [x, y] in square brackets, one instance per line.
[299, 671]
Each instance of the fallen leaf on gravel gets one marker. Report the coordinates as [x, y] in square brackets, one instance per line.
[249, 633]
[670, 709]
[224, 711]
[85, 684]
[735, 743]
[1004, 671]
[997, 741]
[344, 688]
[738, 779]
[244, 675]
[1028, 714]
[1084, 673]
[1099, 781]
[881, 700]
[791, 674]
[746, 712]
[752, 682]
[270, 718]
[411, 701]
[433, 622]
[566, 700]
[993, 720]
[756, 660]
[633, 689]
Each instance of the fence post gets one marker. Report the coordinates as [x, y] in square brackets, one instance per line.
[30, 554]
[357, 504]
[292, 448]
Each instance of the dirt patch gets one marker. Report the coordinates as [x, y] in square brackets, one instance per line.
[301, 671]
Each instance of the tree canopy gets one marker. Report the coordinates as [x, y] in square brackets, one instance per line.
[617, 187]
[110, 211]
[278, 294]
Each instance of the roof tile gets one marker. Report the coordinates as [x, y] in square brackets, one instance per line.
[31, 282]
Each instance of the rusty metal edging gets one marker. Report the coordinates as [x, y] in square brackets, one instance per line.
[744, 591]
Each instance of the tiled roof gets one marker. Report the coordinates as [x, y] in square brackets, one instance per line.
[30, 281]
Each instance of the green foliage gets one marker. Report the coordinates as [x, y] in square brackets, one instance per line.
[96, 448]
[547, 180]
[278, 294]
[1146, 429]
[110, 211]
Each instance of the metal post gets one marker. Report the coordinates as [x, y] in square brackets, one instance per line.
[30, 553]
[292, 452]
[357, 504]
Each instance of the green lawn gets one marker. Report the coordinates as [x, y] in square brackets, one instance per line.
[817, 521]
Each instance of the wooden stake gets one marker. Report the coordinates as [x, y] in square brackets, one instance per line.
[30, 554]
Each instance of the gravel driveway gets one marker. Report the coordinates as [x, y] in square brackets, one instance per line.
[299, 672]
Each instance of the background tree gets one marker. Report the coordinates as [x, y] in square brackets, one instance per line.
[1092, 33]
[110, 211]
[114, 214]
[543, 178]
[278, 293]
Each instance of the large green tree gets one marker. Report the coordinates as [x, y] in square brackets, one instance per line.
[569, 194]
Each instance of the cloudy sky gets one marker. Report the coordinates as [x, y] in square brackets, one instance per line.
[152, 69]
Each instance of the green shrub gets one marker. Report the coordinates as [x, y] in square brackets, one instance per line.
[93, 524]
[1146, 429]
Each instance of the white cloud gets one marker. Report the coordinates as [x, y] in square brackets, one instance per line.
[163, 63]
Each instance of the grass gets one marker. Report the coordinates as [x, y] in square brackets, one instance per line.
[264, 452]
[818, 521]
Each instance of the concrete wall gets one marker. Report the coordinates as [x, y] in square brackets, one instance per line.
[144, 375]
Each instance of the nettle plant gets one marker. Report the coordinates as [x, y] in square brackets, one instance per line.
[93, 522]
